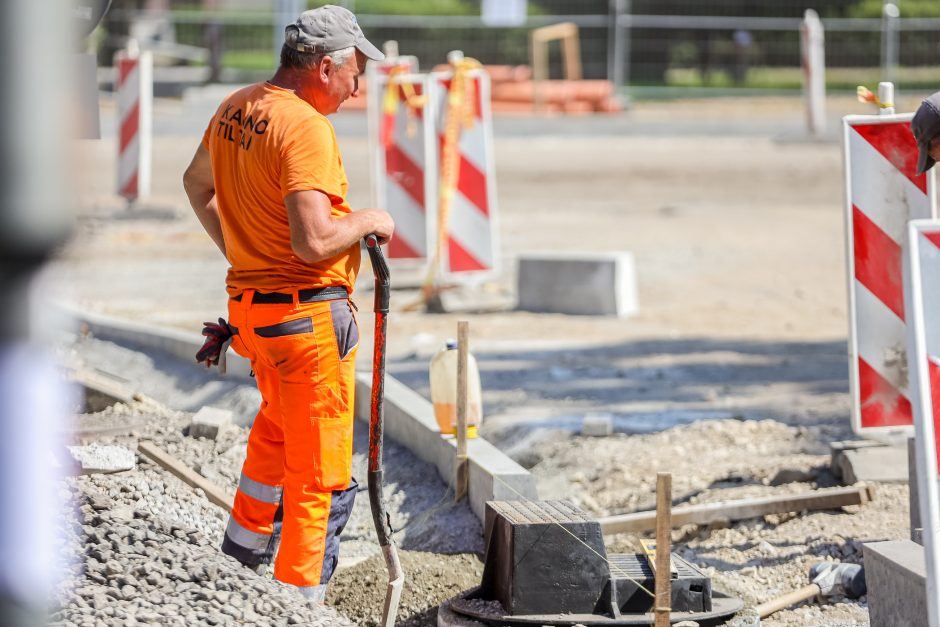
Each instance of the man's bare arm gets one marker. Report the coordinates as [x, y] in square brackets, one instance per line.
[316, 234]
[200, 188]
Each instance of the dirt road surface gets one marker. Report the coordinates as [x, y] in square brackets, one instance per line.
[736, 359]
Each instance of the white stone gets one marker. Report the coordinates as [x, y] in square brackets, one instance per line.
[100, 458]
[208, 421]
[597, 425]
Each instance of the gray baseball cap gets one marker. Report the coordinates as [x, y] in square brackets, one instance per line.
[328, 29]
[926, 126]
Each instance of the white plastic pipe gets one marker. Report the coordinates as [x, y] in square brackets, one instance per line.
[886, 96]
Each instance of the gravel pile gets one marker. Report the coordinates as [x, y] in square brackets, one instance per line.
[721, 460]
[143, 548]
[133, 566]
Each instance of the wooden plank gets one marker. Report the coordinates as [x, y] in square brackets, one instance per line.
[829, 498]
[663, 573]
[108, 388]
[462, 467]
[214, 493]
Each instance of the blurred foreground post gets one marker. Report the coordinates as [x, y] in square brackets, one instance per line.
[34, 73]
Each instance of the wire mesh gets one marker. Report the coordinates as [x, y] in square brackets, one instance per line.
[708, 45]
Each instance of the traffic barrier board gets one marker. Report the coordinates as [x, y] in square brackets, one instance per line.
[401, 136]
[134, 87]
[470, 221]
[883, 193]
[922, 290]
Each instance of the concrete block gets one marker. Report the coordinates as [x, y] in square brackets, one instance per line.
[601, 284]
[896, 575]
[598, 425]
[409, 420]
[95, 458]
[208, 421]
[879, 462]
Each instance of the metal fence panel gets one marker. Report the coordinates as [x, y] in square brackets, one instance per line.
[683, 50]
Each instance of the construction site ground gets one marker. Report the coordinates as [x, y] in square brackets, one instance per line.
[733, 370]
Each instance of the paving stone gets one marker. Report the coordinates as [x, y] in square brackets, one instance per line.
[208, 421]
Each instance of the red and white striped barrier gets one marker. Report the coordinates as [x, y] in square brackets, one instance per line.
[922, 290]
[135, 106]
[882, 195]
[471, 246]
[402, 147]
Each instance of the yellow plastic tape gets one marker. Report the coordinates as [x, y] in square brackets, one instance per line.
[461, 100]
[866, 95]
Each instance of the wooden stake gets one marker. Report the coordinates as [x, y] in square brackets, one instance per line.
[462, 470]
[663, 548]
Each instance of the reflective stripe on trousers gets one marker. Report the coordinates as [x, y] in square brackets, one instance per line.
[296, 487]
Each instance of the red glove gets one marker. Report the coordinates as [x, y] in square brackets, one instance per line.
[218, 337]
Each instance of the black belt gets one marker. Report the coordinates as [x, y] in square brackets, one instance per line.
[311, 295]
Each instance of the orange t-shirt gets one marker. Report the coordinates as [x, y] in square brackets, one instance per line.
[264, 143]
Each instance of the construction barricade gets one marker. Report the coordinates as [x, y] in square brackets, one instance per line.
[883, 194]
[466, 217]
[432, 150]
[922, 291]
[134, 87]
[401, 139]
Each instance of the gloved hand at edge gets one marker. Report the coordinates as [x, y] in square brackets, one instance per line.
[218, 337]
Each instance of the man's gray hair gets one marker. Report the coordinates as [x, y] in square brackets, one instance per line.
[295, 59]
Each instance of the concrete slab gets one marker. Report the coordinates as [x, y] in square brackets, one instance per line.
[895, 572]
[208, 421]
[601, 284]
[100, 458]
[409, 420]
[871, 463]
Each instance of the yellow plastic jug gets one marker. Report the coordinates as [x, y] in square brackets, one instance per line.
[444, 390]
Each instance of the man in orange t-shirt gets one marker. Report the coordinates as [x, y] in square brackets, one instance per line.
[268, 185]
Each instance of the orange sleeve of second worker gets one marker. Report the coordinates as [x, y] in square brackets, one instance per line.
[310, 160]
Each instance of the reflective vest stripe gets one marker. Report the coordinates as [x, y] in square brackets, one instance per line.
[260, 491]
[243, 537]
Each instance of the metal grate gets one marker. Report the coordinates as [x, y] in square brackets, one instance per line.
[539, 512]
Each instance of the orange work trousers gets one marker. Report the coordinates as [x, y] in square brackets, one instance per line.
[296, 488]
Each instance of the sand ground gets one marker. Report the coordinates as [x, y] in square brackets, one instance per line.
[735, 220]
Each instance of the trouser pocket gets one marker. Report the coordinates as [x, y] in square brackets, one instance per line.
[345, 327]
[333, 431]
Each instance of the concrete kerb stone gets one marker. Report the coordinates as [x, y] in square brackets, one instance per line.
[896, 577]
[409, 418]
[208, 421]
[177, 343]
[585, 283]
